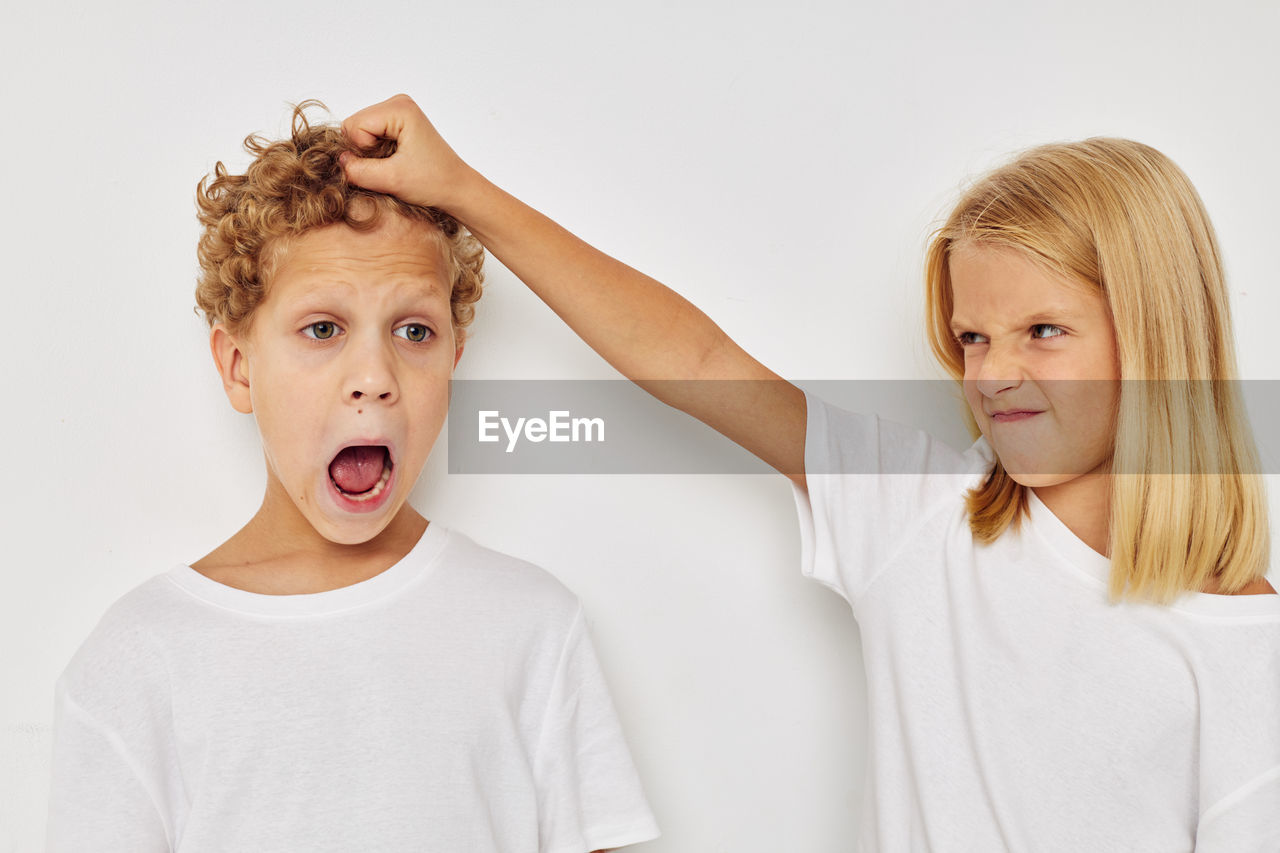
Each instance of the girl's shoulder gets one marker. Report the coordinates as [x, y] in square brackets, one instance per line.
[1262, 586]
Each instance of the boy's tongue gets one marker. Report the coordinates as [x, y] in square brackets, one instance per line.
[357, 469]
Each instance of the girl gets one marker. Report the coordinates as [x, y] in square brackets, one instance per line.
[1070, 642]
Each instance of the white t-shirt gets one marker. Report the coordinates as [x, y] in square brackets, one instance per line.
[1011, 707]
[453, 703]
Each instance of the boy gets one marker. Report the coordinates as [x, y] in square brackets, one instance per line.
[340, 674]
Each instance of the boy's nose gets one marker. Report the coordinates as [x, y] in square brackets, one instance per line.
[371, 377]
[359, 395]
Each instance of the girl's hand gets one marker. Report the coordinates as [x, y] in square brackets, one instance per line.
[644, 329]
[424, 170]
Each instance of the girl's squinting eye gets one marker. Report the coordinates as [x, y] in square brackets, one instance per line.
[321, 331]
[967, 338]
[1046, 330]
[415, 332]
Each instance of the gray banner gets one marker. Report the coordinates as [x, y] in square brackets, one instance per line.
[613, 427]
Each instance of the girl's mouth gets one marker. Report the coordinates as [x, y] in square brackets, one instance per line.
[1010, 417]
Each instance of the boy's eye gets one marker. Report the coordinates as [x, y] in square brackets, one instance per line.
[415, 332]
[966, 338]
[321, 331]
[1046, 330]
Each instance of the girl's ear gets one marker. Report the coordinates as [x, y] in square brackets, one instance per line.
[233, 366]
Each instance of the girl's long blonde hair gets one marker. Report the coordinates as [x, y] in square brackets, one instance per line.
[1187, 504]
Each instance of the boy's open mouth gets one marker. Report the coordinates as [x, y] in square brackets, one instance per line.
[360, 473]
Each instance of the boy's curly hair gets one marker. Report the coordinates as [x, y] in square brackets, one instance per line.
[292, 186]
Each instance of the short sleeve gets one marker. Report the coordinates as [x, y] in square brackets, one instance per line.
[98, 799]
[115, 783]
[1239, 748]
[589, 794]
[1248, 822]
[870, 484]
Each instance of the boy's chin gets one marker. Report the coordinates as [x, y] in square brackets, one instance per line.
[356, 530]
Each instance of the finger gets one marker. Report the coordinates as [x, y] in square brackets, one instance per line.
[372, 173]
[385, 120]
[359, 136]
[368, 126]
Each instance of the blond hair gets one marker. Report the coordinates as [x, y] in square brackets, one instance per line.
[293, 186]
[1187, 506]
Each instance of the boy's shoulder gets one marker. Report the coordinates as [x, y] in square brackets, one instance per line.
[122, 658]
[128, 625]
[494, 572]
[491, 593]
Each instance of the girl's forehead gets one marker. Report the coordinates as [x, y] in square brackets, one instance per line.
[998, 281]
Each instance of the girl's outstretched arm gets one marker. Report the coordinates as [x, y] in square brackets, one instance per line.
[644, 329]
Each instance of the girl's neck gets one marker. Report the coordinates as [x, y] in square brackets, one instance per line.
[1083, 504]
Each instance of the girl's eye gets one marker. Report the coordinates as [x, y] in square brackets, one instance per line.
[1046, 330]
[321, 331]
[415, 332]
[967, 338]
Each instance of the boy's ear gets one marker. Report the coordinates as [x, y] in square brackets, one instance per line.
[457, 354]
[233, 367]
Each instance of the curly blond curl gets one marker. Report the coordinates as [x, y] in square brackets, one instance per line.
[293, 186]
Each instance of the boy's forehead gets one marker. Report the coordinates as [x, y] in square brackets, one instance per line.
[339, 254]
[397, 265]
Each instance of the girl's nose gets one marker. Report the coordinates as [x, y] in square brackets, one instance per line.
[1000, 371]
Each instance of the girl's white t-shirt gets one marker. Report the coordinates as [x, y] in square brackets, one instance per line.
[1011, 707]
[451, 703]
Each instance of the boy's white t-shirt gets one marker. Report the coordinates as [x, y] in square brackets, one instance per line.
[453, 703]
[1011, 707]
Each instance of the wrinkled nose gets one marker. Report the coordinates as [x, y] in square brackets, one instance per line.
[999, 371]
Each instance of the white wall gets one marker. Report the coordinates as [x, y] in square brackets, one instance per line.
[781, 168]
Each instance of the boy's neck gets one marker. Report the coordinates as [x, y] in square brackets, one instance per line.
[279, 553]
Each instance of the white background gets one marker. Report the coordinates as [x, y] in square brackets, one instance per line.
[782, 168]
